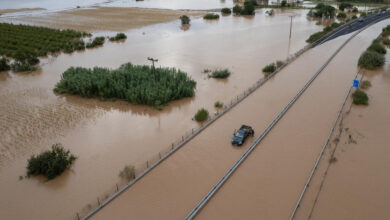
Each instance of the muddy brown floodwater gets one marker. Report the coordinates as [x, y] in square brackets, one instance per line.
[355, 185]
[106, 136]
[268, 184]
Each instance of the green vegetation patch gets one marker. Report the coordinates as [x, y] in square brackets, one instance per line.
[371, 60]
[218, 104]
[322, 10]
[386, 31]
[134, 83]
[24, 42]
[344, 5]
[376, 46]
[360, 97]
[128, 172]
[221, 74]
[50, 163]
[4, 66]
[211, 16]
[270, 68]
[98, 41]
[185, 19]
[201, 115]
[118, 36]
[226, 11]
[365, 84]
[318, 35]
[341, 15]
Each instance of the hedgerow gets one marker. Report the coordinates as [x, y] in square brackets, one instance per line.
[118, 36]
[134, 83]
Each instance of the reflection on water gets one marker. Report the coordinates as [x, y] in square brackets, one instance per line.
[104, 135]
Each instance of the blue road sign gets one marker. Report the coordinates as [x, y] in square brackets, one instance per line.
[356, 83]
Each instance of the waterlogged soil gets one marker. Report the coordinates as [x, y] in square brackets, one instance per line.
[101, 18]
[355, 184]
[106, 136]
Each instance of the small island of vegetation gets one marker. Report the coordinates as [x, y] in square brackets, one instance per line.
[211, 16]
[50, 163]
[118, 36]
[201, 115]
[134, 83]
[220, 73]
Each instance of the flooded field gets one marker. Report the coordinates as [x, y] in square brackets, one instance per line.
[105, 136]
[355, 185]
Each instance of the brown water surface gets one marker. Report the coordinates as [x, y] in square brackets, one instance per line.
[267, 185]
[106, 136]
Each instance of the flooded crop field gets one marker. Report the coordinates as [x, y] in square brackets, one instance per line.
[107, 135]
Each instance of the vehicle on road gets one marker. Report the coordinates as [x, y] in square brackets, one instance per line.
[360, 19]
[242, 133]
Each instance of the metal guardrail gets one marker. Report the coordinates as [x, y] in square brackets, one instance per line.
[202, 127]
[206, 198]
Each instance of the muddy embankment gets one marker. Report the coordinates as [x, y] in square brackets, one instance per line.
[105, 136]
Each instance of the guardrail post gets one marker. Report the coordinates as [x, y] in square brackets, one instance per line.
[78, 216]
[117, 188]
[147, 164]
[159, 153]
[98, 200]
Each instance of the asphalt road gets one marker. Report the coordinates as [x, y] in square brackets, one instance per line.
[357, 25]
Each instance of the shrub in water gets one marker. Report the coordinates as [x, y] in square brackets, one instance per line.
[249, 8]
[218, 104]
[279, 63]
[371, 60]
[220, 74]
[185, 19]
[269, 68]
[211, 16]
[344, 5]
[386, 42]
[237, 9]
[386, 31]
[201, 115]
[365, 84]
[341, 15]
[50, 163]
[118, 36]
[376, 46]
[19, 66]
[128, 172]
[134, 83]
[363, 14]
[226, 11]
[98, 41]
[4, 64]
[360, 97]
[355, 10]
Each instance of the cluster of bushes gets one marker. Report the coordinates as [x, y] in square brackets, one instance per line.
[248, 9]
[374, 56]
[344, 5]
[211, 16]
[4, 66]
[365, 84]
[134, 83]
[50, 163]
[386, 31]
[360, 97]
[316, 36]
[322, 10]
[118, 36]
[201, 115]
[185, 19]
[341, 15]
[218, 104]
[270, 68]
[128, 172]
[25, 43]
[226, 11]
[221, 74]
[98, 41]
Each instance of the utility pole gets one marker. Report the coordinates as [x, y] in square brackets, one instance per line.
[291, 17]
[154, 69]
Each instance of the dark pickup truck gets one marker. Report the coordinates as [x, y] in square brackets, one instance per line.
[242, 133]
